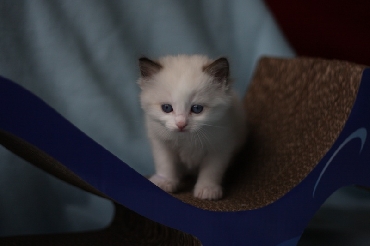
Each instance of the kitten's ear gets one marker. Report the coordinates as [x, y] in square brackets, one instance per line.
[148, 67]
[219, 69]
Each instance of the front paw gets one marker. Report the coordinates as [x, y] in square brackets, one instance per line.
[208, 192]
[164, 183]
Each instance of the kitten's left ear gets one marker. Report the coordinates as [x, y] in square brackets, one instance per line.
[219, 69]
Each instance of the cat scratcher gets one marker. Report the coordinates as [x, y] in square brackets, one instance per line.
[308, 120]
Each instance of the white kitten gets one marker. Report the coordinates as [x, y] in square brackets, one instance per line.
[194, 119]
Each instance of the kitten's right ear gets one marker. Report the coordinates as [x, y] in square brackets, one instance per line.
[148, 67]
[219, 69]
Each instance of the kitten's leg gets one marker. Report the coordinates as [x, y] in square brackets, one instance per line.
[210, 176]
[167, 176]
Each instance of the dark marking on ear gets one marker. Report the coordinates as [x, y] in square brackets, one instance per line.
[148, 67]
[219, 69]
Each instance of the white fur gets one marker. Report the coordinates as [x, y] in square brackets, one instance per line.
[210, 138]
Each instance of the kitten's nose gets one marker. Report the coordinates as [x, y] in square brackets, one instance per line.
[181, 125]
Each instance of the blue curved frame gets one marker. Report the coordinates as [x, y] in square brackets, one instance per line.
[280, 223]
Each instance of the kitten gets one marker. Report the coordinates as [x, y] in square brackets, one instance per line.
[195, 121]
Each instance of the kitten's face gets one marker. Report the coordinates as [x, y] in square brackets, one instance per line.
[182, 95]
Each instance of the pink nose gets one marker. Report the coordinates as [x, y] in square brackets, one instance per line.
[181, 125]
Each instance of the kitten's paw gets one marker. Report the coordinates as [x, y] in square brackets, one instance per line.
[165, 184]
[208, 192]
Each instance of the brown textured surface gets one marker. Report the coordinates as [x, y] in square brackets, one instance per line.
[296, 109]
[127, 227]
[34, 156]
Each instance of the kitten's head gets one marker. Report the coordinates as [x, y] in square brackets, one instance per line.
[185, 93]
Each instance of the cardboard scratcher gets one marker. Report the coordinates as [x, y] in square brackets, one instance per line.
[308, 121]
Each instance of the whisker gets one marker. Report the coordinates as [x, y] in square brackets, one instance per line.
[200, 140]
[204, 133]
[202, 124]
[163, 133]
[206, 138]
[192, 140]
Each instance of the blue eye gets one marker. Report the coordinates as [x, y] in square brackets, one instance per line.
[167, 108]
[196, 109]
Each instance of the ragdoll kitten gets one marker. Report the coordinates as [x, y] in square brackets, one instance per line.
[194, 119]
